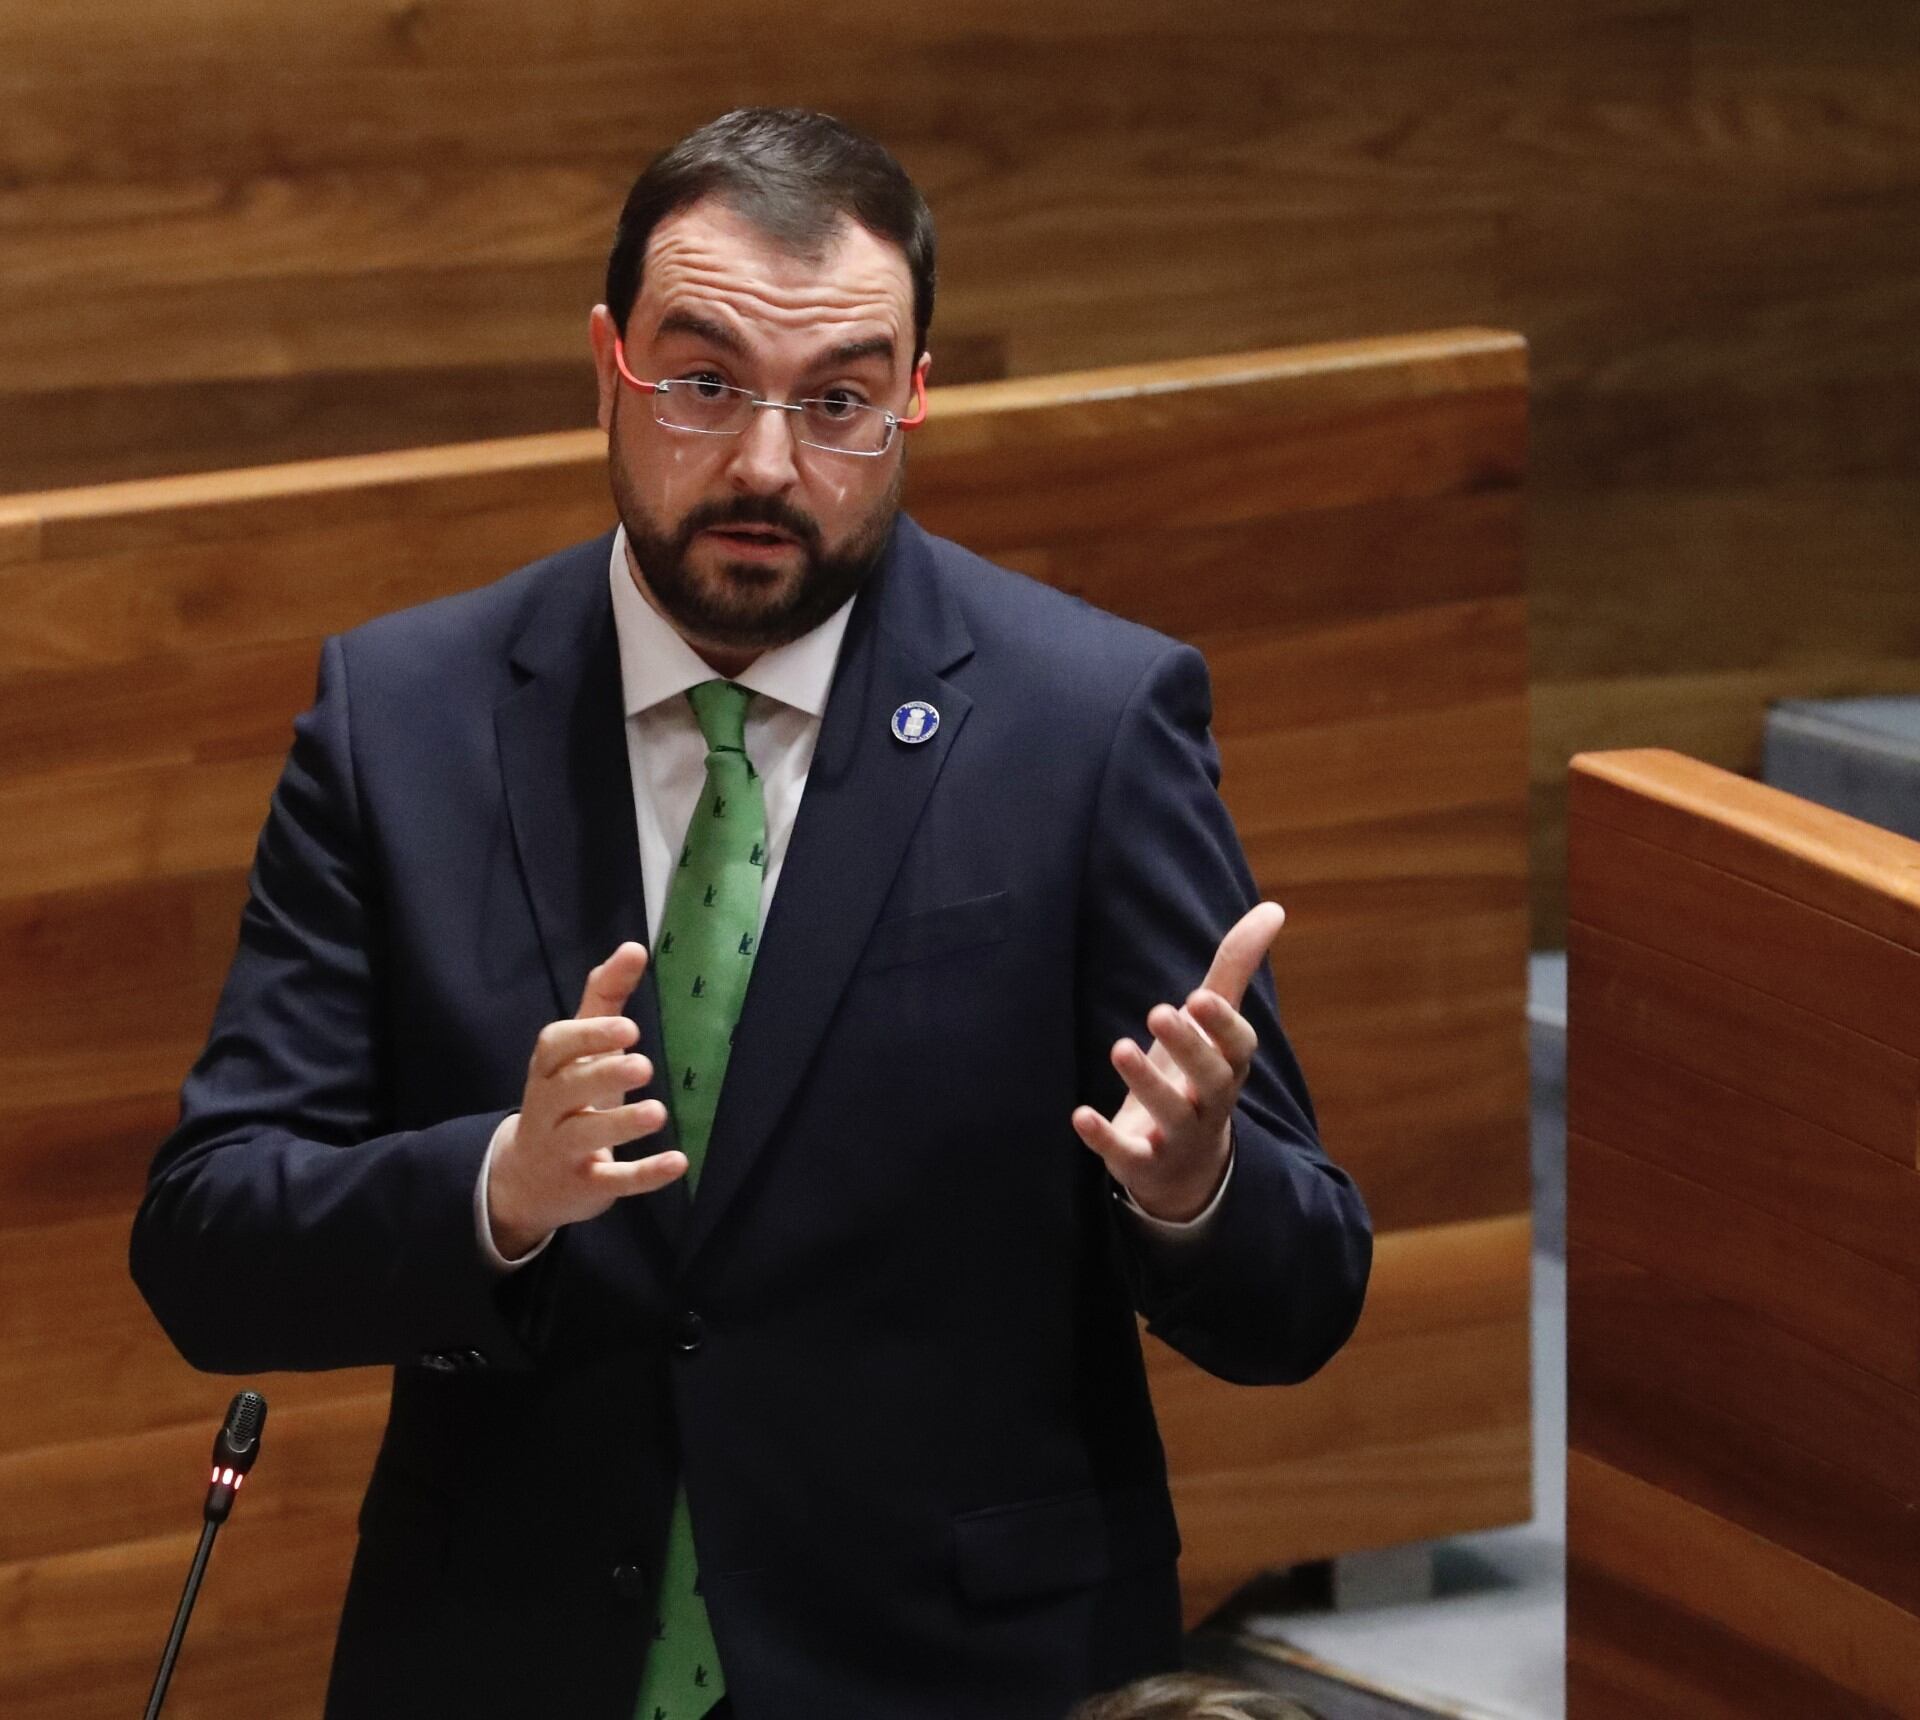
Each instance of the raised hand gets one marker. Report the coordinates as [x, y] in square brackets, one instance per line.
[1169, 1143]
[555, 1163]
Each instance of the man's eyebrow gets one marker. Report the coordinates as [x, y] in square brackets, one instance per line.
[702, 328]
[852, 351]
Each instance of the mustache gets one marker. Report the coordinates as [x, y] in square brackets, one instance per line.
[752, 511]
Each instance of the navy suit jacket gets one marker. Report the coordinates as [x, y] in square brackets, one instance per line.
[891, 1345]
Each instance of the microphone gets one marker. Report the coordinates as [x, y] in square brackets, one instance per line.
[235, 1447]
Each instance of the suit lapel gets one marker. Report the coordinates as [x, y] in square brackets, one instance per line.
[563, 761]
[864, 796]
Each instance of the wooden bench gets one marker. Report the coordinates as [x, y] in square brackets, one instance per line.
[219, 248]
[1338, 528]
[1743, 1092]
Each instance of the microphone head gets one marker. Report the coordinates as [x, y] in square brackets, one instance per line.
[237, 1443]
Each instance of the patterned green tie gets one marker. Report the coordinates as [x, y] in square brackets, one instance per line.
[701, 962]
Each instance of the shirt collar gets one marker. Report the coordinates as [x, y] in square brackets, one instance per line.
[656, 664]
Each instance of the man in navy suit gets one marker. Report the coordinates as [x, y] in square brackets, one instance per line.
[1008, 1065]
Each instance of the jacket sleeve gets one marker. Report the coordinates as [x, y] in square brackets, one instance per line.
[1275, 1283]
[285, 1223]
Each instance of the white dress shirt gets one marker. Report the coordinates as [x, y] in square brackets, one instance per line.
[667, 761]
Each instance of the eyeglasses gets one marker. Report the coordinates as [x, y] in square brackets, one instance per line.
[836, 422]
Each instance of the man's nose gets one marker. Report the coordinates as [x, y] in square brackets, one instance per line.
[763, 462]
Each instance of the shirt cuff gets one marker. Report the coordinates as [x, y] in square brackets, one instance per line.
[1178, 1232]
[489, 1252]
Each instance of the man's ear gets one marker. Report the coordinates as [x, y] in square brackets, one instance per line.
[601, 335]
[916, 414]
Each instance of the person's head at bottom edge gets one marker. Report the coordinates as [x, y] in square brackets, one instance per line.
[1191, 1696]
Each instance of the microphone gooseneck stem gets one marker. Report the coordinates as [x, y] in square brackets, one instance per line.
[180, 1617]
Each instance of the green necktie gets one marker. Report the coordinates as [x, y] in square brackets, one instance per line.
[701, 961]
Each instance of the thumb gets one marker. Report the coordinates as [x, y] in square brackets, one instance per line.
[1243, 949]
[610, 984]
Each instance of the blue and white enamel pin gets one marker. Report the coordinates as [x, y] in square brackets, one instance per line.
[915, 721]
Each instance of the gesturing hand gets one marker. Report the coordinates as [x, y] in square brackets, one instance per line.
[1169, 1142]
[554, 1164]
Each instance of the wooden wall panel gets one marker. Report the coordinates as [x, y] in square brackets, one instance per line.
[1734, 1143]
[1739, 1361]
[157, 639]
[1640, 1656]
[225, 245]
[1420, 1423]
[1789, 1608]
[1743, 1263]
[1817, 1069]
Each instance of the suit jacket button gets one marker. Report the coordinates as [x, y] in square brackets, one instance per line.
[471, 1361]
[437, 1362]
[630, 1582]
[688, 1332]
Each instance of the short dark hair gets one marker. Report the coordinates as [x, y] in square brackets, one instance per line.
[793, 173]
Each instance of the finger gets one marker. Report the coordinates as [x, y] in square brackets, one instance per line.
[622, 1177]
[1171, 1107]
[1227, 1028]
[610, 984]
[1124, 1155]
[1195, 1058]
[561, 1042]
[600, 1082]
[586, 1133]
[1243, 949]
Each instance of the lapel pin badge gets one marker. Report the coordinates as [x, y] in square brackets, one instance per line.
[915, 721]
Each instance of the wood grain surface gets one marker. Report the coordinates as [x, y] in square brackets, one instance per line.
[1362, 607]
[1743, 1114]
[1420, 1425]
[221, 245]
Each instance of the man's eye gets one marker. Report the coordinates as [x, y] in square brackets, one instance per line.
[839, 403]
[706, 385]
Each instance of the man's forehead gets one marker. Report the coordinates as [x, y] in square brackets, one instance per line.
[711, 257]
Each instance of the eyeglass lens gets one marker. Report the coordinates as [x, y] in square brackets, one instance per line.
[713, 409]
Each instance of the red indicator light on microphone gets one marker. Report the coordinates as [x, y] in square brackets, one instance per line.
[237, 1480]
[226, 1475]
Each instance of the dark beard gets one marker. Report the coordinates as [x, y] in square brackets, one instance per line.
[717, 615]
